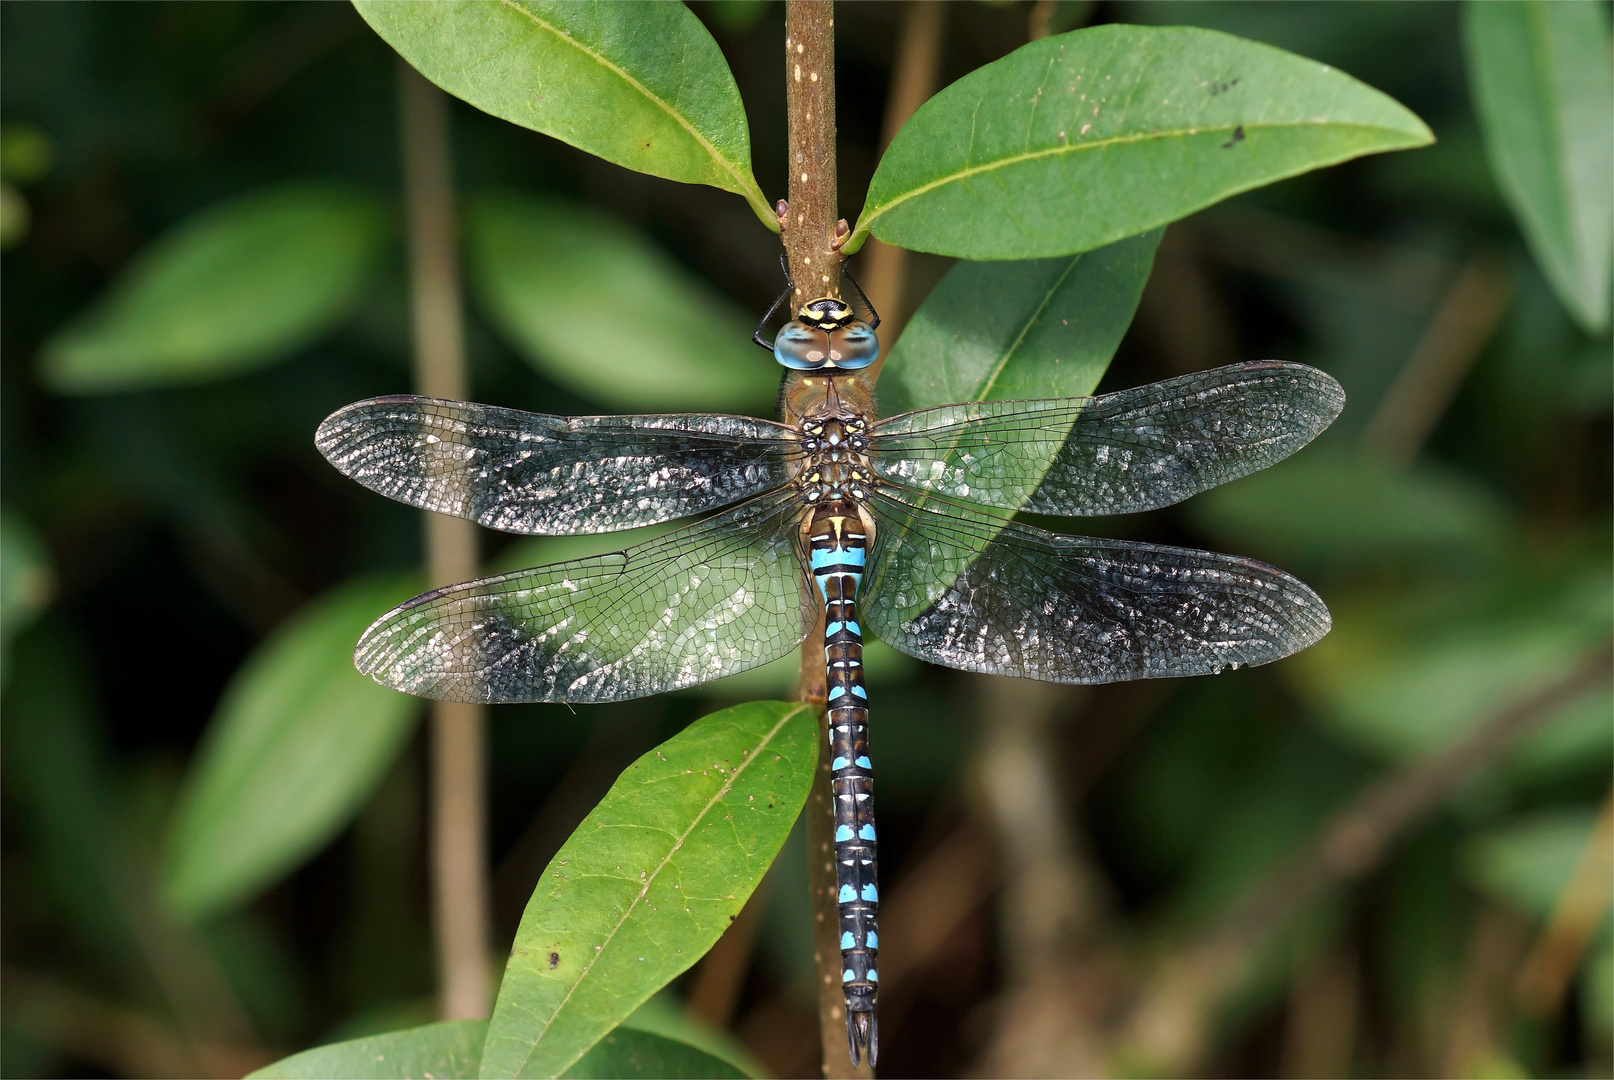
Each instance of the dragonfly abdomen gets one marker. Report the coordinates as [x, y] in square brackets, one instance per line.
[838, 550]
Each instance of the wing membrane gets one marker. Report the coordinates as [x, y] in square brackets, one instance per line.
[1117, 453]
[715, 598]
[532, 473]
[972, 591]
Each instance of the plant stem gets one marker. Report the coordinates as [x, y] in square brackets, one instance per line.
[809, 230]
[1462, 326]
[458, 732]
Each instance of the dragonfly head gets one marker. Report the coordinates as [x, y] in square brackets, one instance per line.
[826, 334]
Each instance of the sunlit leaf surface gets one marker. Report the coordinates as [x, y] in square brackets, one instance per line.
[642, 85]
[648, 881]
[1078, 140]
[234, 288]
[298, 742]
[1541, 75]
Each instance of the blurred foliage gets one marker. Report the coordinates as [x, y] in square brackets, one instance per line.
[1542, 77]
[299, 743]
[244, 284]
[597, 307]
[168, 524]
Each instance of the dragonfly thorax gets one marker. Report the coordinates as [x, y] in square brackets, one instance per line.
[836, 465]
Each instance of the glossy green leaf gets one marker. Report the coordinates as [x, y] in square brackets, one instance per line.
[641, 85]
[630, 1052]
[649, 881]
[1076, 141]
[1038, 328]
[1324, 509]
[1543, 81]
[596, 306]
[1528, 862]
[299, 741]
[445, 1051]
[234, 288]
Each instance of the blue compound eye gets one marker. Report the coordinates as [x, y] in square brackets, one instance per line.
[801, 347]
[854, 346]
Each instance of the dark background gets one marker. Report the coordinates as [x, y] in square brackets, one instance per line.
[182, 525]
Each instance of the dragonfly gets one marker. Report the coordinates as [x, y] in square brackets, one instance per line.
[902, 527]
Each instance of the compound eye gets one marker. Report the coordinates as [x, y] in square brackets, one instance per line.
[800, 347]
[854, 346]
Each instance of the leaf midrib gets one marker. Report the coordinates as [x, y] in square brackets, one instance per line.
[990, 382]
[599, 58]
[1099, 144]
[678, 845]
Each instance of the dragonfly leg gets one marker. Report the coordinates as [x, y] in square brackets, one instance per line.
[756, 335]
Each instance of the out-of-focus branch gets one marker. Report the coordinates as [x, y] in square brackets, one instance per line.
[812, 233]
[1425, 385]
[1052, 902]
[1168, 1030]
[122, 1040]
[1575, 918]
[913, 80]
[458, 732]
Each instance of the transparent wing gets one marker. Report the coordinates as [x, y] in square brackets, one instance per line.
[1117, 453]
[972, 591]
[532, 473]
[709, 600]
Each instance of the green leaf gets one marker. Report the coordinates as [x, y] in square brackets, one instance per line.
[1038, 328]
[445, 1051]
[299, 741]
[649, 881]
[1543, 80]
[1076, 141]
[641, 85]
[628, 1052]
[26, 580]
[235, 288]
[597, 307]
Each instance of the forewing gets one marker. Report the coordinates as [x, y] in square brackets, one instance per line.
[1117, 453]
[715, 598]
[527, 472]
[971, 591]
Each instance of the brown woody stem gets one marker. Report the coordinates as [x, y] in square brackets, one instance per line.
[812, 232]
[458, 732]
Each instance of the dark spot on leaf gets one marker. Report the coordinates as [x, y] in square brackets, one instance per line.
[1238, 136]
[554, 961]
[733, 917]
